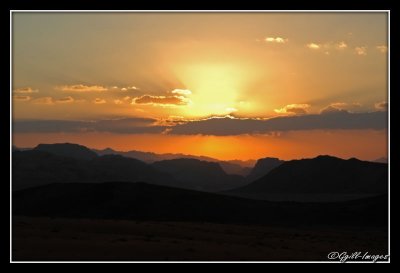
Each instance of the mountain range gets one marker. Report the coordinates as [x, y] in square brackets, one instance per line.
[263, 167]
[320, 175]
[55, 163]
[270, 179]
[238, 167]
[199, 175]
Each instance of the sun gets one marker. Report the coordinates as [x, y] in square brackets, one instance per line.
[215, 88]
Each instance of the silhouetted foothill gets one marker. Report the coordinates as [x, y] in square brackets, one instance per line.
[68, 150]
[263, 167]
[323, 174]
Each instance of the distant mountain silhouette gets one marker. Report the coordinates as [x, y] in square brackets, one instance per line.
[321, 175]
[381, 160]
[244, 163]
[263, 167]
[55, 164]
[15, 148]
[199, 175]
[150, 157]
[68, 150]
[141, 201]
[35, 167]
[231, 167]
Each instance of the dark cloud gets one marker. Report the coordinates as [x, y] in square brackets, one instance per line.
[331, 120]
[121, 126]
[222, 126]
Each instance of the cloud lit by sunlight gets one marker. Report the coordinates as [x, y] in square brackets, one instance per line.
[313, 46]
[162, 100]
[361, 50]
[99, 101]
[277, 40]
[298, 109]
[82, 88]
[25, 90]
[382, 48]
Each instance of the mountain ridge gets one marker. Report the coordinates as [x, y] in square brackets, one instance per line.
[322, 174]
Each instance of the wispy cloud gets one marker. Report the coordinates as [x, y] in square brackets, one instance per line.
[129, 88]
[313, 46]
[118, 101]
[340, 106]
[99, 101]
[341, 45]
[21, 98]
[382, 48]
[328, 46]
[25, 90]
[68, 99]
[176, 97]
[278, 40]
[330, 109]
[82, 88]
[184, 92]
[231, 109]
[361, 50]
[44, 100]
[299, 109]
[382, 106]
[162, 100]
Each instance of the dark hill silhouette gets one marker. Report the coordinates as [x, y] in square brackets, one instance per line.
[116, 167]
[34, 168]
[199, 175]
[263, 167]
[141, 201]
[234, 168]
[381, 160]
[68, 150]
[321, 175]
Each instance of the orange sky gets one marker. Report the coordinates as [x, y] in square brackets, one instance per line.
[363, 144]
[169, 69]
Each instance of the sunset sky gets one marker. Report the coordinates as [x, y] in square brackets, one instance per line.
[225, 85]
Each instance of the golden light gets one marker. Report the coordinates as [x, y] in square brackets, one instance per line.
[215, 88]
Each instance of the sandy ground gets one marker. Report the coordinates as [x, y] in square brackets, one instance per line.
[45, 239]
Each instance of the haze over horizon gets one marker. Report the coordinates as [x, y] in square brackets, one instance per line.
[223, 85]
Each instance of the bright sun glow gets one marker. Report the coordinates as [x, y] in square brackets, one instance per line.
[215, 88]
